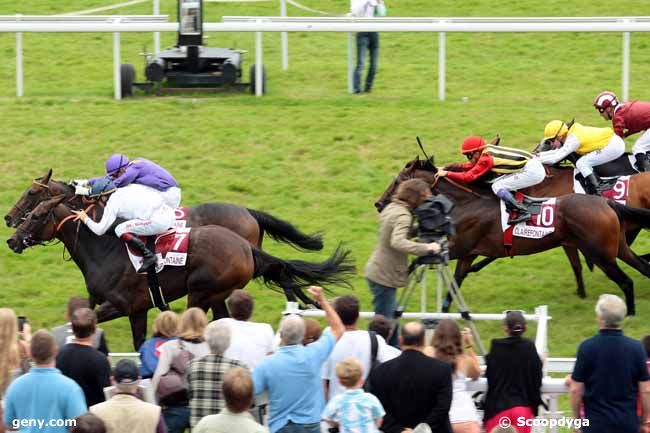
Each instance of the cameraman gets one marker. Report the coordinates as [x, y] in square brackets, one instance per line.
[387, 268]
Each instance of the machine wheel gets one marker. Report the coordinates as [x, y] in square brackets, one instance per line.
[127, 78]
[253, 83]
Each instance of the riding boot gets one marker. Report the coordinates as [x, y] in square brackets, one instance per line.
[512, 203]
[593, 184]
[149, 258]
[642, 163]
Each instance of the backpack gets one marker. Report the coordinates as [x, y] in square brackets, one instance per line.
[173, 389]
[374, 362]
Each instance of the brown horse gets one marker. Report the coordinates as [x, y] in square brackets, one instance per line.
[587, 223]
[248, 223]
[219, 261]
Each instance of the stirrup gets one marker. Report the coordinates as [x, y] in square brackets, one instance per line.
[148, 263]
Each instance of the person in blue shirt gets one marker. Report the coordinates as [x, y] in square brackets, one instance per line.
[43, 400]
[164, 330]
[292, 374]
[610, 371]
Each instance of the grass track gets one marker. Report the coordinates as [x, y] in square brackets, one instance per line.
[308, 152]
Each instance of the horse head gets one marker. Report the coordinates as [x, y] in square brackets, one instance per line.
[414, 169]
[39, 226]
[42, 188]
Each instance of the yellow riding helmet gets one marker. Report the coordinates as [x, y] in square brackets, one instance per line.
[555, 128]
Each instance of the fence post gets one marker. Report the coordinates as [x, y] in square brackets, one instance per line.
[259, 85]
[19, 62]
[626, 65]
[284, 37]
[156, 35]
[116, 64]
[441, 64]
[350, 62]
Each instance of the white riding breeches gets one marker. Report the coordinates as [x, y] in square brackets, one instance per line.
[614, 149]
[172, 197]
[642, 144]
[532, 174]
[161, 220]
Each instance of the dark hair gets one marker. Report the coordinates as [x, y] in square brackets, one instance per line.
[75, 303]
[447, 341]
[347, 307]
[515, 322]
[43, 346]
[410, 192]
[381, 325]
[84, 322]
[413, 334]
[646, 345]
[238, 389]
[88, 423]
[240, 305]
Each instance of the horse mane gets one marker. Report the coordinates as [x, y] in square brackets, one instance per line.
[480, 187]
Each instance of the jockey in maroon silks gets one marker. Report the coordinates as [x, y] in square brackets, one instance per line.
[144, 172]
[628, 118]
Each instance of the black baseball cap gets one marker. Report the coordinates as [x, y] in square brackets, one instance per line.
[515, 322]
[126, 372]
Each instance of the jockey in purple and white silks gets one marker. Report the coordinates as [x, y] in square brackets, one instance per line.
[143, 208]
[144, 172]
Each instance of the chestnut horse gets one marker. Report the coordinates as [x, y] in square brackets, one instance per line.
[219, 261]
[587, 223]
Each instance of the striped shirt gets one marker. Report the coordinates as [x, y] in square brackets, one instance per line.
[355, 411]
[205, 379]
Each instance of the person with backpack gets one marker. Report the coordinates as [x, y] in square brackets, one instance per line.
[169, 378]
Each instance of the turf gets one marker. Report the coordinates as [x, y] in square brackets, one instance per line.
[307, 151]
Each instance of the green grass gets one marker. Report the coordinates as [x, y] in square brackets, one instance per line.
[308, 152]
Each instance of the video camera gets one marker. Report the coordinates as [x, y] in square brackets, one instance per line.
[435, 225]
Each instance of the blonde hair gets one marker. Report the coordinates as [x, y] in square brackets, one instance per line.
[9, 355]
[349, 371]
[165, 325]
[192, 323]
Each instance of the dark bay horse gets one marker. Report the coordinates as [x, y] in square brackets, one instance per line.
[219, 261]
[587, 223]
[248, 223]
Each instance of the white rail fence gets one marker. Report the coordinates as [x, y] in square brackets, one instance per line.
[259, 25]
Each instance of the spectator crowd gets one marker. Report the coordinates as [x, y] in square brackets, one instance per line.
[235, 375]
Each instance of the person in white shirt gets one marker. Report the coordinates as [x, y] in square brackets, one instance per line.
[366, 41]
[143, 208]
[250, 342]
[354, 343]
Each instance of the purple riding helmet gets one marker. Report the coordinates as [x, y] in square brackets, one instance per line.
[115, 162]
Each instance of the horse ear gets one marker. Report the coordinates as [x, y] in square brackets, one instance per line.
[46, 177]
[496, 140]
[55, 200]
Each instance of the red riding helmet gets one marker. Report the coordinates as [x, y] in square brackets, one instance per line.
[472, 144]
[605, 99]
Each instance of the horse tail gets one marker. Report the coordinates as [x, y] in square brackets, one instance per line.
[294, 275]
[284, 231]
[636, 215]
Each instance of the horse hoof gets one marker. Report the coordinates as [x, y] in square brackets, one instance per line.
[582, 295]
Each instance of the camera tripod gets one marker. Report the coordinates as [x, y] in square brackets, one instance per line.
[418, 276]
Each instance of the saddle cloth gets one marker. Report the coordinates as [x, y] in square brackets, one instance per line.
[618, 190]
[170, 248]
[181, 217]
[540, 225]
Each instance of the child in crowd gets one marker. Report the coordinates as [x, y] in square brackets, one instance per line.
[354, 410]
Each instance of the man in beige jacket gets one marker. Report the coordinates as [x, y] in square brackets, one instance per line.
[387, 268]
[124, 412]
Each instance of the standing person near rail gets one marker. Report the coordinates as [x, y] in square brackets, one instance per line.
[594, 146]
[144, 172]
[517, 169]
[366, 42]
[628, 118]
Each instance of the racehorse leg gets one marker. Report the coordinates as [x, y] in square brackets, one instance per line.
[463, 267]
[574, 259]
[138, 328]
[108, 311]
[480, 265]
[617, 275]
